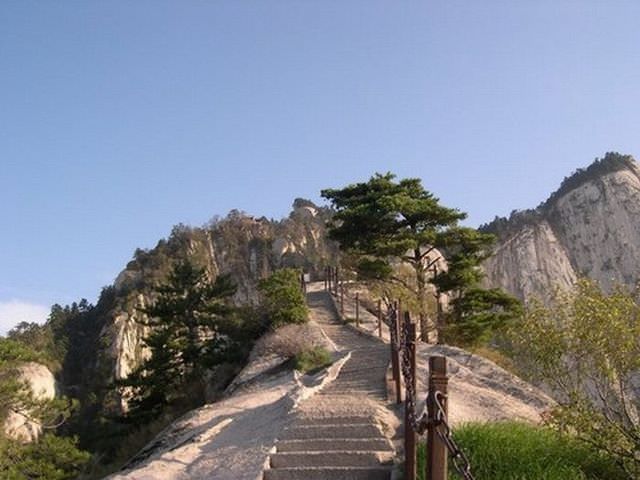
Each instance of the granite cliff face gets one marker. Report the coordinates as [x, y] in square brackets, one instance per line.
[246, 247]
[20, 426]
[589, 227]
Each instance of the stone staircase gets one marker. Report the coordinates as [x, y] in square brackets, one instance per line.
[335, 434]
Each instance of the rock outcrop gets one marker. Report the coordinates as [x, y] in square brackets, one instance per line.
[245, 247]
[21, 426]
[589, 227]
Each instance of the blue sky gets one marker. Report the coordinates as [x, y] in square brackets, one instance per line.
[120, 119]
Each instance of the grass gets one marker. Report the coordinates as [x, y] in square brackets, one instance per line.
[518, 451]
[312, 359]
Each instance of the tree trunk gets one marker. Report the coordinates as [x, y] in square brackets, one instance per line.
[428, 333]
[439, 313]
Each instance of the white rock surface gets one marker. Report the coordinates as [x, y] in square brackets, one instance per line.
[19, 426]
[480, 390]
[590, 230]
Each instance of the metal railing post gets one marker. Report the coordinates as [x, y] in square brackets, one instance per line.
[410, 436]
[436, 468]
[357, 309]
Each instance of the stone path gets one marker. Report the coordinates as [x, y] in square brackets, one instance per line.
[336, 434]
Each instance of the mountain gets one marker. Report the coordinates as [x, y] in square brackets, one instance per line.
[589, 227]
[105, 340]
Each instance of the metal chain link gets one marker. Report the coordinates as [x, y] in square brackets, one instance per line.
[420, 423]
[443, 430]
[392, 313]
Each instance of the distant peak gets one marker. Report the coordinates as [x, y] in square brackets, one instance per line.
[612, 162]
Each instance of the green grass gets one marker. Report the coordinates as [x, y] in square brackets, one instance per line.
[518, 451]
[312, 359]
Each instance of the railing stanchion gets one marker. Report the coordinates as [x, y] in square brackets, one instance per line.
[436, 448]
[396, 354]
[410, 451]
[357, 309]
[393, 340]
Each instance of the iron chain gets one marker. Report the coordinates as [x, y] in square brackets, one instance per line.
[420, 423]
[443, 430]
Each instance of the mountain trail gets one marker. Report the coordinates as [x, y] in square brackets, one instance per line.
[343, 432]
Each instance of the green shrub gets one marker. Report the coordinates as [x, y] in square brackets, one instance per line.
[49, 458]
[585, 346]
[284, 302]
[312, 359]
[518, 451]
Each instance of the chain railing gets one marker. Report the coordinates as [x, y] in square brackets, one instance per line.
[340, 289]
[458, 458]
[432, 419]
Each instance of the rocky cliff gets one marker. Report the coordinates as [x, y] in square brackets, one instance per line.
[19, 425]
[589, 227]
[246, 247]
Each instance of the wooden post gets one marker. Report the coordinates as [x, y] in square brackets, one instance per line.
[380, 318]
[326, 282]
[336, 280]
[357, 309]
[436, 468]
[410, 452]
[329, 273]
[342, 301]
[395, 364]
[396, 325]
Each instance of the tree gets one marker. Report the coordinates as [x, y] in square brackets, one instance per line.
[386, 224]
[475, 313]
[284, 300]
[188, 335]
[49, 457]
[585, 347]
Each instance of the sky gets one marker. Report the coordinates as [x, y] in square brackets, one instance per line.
[120, 119]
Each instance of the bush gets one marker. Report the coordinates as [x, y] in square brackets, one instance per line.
[312, 359]
[586, 349]
[49, 458]
[519, 451]
[289, 341]
[284, 300]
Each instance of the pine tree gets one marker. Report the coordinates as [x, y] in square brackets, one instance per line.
[284, 300]
[188, 334]
[49, 457]
[384, 223]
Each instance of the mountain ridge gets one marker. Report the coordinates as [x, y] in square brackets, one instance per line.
[586, 228]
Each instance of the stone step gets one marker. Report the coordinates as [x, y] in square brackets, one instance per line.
[330, 459]
[369, 393]
[364, 430]
[377, 444]
[331, 473]
[333, 419]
